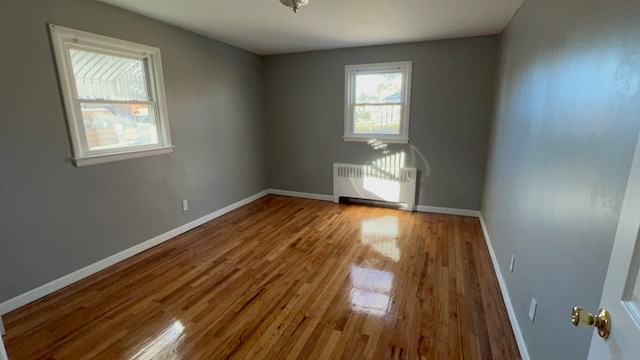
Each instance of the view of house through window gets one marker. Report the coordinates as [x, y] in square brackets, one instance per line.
[377, 102]
[113, 96]
[116, 125]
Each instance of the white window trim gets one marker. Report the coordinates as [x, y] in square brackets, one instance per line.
[65, 38]
[405, 68]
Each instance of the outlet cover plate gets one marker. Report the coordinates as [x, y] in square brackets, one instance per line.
[532, 308]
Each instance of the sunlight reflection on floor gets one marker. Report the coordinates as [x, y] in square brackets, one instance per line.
[371, 290]
[165, 345]
[382, 235]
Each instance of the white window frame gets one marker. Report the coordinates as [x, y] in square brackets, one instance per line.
[65, 39]
[351, 71]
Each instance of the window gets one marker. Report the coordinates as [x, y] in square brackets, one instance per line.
[114, 97]
[377, 102]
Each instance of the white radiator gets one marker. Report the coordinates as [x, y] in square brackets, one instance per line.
[375, 183]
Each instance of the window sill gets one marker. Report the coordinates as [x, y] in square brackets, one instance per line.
[99, 159]
[388, 140]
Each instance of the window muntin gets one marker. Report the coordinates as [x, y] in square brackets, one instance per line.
[114, 97]
[377, 102]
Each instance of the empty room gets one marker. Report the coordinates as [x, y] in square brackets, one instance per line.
[319, 179]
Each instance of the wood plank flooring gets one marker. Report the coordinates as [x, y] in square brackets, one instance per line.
[284, 278]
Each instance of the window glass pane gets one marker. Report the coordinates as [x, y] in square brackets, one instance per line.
[377, 119]
[108, 77]
[378, 88]
[110, 126]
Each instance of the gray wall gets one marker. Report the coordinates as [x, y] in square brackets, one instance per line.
[57, 218]
[567, 119]
[451, 102]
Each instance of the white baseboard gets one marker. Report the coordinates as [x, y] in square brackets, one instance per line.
[420, 208]
[69, 279]
[3, 353]
[524, 353]
[448, 211]
[301, 194]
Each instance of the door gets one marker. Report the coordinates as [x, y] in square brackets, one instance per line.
[621, 293]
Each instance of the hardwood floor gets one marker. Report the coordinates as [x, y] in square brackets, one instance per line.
[284, 278]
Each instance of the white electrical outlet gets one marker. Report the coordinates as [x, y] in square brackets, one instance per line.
[185, 205]
[513, 262]
[532, 308]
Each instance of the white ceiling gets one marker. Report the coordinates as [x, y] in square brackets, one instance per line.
[267, 27]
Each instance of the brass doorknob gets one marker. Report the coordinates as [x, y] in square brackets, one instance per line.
[582, 318]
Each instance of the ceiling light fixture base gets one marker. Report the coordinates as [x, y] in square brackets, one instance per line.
[294, 4]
